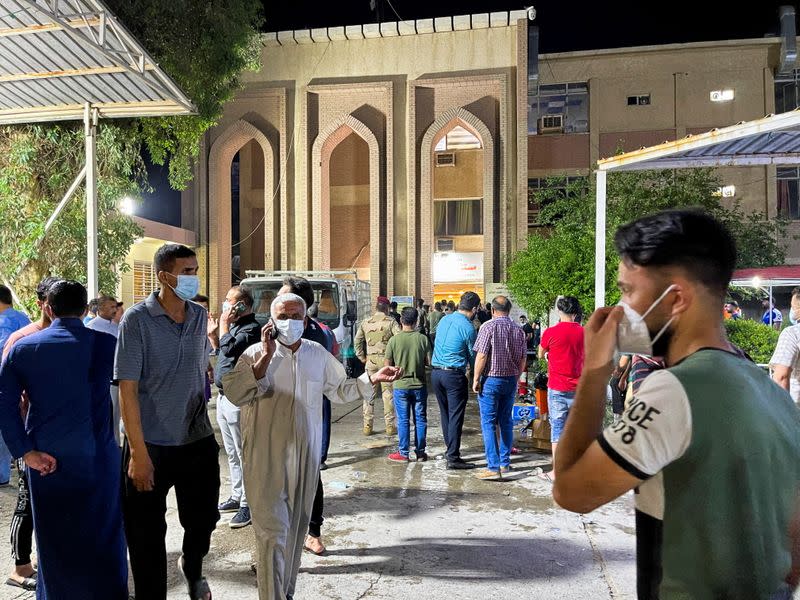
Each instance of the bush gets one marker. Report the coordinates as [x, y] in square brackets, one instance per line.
[755, 338]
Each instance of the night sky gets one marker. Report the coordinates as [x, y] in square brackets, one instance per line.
[563, 25]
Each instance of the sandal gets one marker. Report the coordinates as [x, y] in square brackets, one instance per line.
[198, 590]
[28, 583]
[545, 476]
[310, 550]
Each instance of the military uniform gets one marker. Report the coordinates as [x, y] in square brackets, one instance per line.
[370, 345]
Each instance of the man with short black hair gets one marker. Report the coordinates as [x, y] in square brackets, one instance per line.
[233, 333]
[453, 354]
[687, 438]
[67, 444]
[562, 345]
[500, 358]
[24, 575]
[393, 312]
[408, 350]
[161, 364]
[422, 317]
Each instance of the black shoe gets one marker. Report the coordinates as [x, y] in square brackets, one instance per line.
[230, 505]
[460, 465]
[241, 518]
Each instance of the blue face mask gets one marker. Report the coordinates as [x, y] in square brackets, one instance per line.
[188, 286]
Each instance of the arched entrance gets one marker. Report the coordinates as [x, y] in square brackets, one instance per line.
[346, 200]
[241, 185]
[457, 207]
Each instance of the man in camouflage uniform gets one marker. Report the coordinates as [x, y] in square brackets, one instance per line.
[370, 346]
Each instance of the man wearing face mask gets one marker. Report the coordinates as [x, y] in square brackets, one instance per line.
[279, 387]
[234, 332]
[161, 363]
[785, 361]
[714, 518]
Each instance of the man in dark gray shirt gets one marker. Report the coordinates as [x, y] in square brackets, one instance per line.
[161, 363]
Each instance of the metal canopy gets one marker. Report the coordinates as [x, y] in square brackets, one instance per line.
[57, 55]
[73, 60]
[772, 140]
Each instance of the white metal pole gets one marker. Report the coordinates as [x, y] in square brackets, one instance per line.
[600, 242]
[90, 129]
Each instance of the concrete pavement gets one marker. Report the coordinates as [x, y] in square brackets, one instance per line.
[396, 531]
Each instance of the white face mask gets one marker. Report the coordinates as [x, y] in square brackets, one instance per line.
[633, 336]
[289, 330]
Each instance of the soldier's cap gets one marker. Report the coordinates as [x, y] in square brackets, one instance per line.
[383, 300]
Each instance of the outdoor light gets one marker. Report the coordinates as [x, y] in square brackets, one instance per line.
[126, 205]
[756, 281]
[721, 95]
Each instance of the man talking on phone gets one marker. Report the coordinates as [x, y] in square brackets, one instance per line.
[234, 332]
[279, 384]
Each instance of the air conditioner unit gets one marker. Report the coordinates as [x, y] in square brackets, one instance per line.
[551, 124]
[445, 245]
[445, 159]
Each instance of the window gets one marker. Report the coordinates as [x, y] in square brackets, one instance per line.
[787, 91]
[458, 138]
[789, 192]
[144, 280]
[569, 101]
[536, 184]
[640, 100]
[457, 217]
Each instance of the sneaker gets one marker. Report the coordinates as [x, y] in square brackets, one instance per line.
[422, 457]
[391, 430]
[505, 469]
[241, 518]
[460, 465]
[488, 475]
[367, 429]
[230, 505]
[323, 467]
[397, 457]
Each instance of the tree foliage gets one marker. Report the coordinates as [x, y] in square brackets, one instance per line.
[204, 47]
[559, 259]
[755, 338]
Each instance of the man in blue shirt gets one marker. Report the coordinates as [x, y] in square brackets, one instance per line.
[452, 354]
[10, 321]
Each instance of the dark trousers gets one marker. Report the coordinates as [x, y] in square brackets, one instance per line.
[326, 427]
[649, 539]
[315, 525]
[193, 470]
[451, 391]
[22, 521]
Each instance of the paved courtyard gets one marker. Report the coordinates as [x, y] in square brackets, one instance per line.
[397, 531]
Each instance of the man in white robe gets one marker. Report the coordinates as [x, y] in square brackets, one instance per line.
[279, 387]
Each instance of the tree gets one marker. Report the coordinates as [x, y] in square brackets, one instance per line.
[559, 259]
[204, 47]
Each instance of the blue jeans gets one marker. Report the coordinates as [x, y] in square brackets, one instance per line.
[326, 427]
[404, 402]
[5, 462]
[558, 405]
[496, 403]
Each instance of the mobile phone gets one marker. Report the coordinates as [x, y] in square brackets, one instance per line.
[274, 333]
[238, 308]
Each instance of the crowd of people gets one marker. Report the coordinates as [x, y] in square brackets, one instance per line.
[708, 441]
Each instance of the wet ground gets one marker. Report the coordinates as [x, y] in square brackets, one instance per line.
[418, 530]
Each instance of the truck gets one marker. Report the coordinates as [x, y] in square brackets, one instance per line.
[343, 301]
